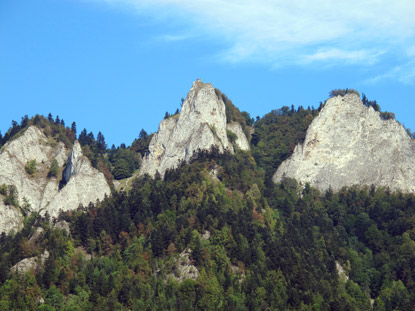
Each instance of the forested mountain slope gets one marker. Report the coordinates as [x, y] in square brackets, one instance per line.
[215, 233]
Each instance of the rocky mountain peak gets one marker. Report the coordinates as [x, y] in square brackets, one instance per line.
[200, 125]
[40, 192]
[349, 144]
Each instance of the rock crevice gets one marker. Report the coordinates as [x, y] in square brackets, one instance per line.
[84, 183]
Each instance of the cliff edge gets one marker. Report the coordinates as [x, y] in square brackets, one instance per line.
[349, 144]
[200, 125]
[37, 190]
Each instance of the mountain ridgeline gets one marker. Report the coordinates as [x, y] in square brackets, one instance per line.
[302, 209]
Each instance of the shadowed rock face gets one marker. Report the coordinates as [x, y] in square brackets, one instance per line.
[200, 125]
[84, 183]
[349, 144]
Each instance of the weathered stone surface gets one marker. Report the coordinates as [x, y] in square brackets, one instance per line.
[241, 141]
[10, 218]
[74, 162]
[349, 144]
[30, 264]
[184, 268]
[32, 145]
[341, 272]
[200, 125]
[84, 184]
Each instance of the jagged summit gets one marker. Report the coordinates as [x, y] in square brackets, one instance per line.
[201, 124]
[82, 182]
[350, 144]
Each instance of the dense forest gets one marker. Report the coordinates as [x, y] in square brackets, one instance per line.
[216, 234]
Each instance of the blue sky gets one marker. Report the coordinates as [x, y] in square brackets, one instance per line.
[117, 66]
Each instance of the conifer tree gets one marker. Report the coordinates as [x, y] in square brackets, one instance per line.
[73, 128]
[102, 146]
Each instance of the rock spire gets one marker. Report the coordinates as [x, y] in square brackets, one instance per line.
[200, 125]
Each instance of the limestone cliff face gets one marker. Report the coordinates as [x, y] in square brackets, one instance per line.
[241, 140]
[10, 218]
[201, 124]
[83, 183]
[349, 144]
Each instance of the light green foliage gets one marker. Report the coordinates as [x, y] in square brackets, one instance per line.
[11, 195]
[276, 135]
[125, 162]
[3, 189]
[342, 92]
[231, 136]
[54, 169]
[30, 167]
[208, 292]
[257, 245]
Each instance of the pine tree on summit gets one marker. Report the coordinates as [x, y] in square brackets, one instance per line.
[82, 137]
[102, 146]
[73, 128]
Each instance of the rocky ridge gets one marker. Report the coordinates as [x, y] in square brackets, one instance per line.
[200, 125]
[82, 182]
[349, 144]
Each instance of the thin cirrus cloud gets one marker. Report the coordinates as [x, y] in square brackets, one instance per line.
[302, 32]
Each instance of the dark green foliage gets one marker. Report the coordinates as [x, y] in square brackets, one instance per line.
[248, 120]
[274, 252]
[48, 126]
[124, 161]
[73, 128]
[342, 92]
[54, 169]
[95, 150]
[385, 115]
[3, 189]
[102, 146]
[30, 167]
[231, 136]
[257, 245]
[233, 114]
[140, 145]
[13, 130]
[276, 135]
[10, 194]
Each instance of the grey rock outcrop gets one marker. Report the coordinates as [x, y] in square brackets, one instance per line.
[74, 162]
[200, 125]
[184, 269]
[10, 218]
[350, 144]
[30, 264]
[241, 140]
[84, 183]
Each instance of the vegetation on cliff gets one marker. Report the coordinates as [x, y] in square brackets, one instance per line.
[256, 245]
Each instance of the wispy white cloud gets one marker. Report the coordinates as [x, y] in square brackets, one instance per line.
[297, 32]
[367, 57]
[404, 73]
[173, 38]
